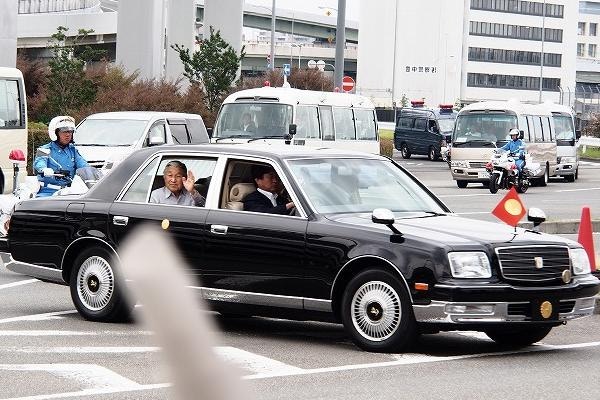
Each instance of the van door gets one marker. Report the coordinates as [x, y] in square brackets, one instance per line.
[418, 143]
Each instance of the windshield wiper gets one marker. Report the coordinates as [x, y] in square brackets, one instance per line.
[266, 137]
[232, 137]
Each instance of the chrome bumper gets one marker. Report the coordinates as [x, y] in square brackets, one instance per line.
[492, 312]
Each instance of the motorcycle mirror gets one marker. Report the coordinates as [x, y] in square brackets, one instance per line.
[42, 152]
[536, 215]
[521, 134]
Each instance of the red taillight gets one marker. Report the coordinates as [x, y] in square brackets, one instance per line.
[266, 83]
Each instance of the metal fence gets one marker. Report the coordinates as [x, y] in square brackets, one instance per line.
[585, 101]
[52, 6]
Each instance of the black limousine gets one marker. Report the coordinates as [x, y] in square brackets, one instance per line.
[365, 244]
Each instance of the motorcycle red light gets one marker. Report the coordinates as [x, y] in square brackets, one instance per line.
[513, 166]
[488, 165]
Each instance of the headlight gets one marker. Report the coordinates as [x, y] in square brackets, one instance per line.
[580, 261]
[567, 160]
[473, 264]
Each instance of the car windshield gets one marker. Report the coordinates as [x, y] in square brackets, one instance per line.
[564, 127]
[339, 185]
[446, 125]
[481, 130]
[253, 120]
[109, 132]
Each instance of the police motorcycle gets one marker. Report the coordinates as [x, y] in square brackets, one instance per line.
[504, 173]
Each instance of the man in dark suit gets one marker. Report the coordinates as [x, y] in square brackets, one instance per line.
[266, 198]
[247, 124]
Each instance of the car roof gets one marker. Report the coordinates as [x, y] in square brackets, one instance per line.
[142, 115]
[299, 96]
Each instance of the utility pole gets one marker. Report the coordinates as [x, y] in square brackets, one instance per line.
[340, 43]
[273, 36]
[542, 55]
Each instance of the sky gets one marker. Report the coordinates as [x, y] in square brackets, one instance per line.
[311, 6]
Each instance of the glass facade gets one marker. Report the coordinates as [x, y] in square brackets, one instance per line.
[514, 31]
[512, 82]
[513, 57]
[519, 7]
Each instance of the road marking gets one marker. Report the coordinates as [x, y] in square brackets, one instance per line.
[466, 195]
[578, 190]
[72, 333]
[82, 350]
[38, 317]
[19, 283]
[255, 362]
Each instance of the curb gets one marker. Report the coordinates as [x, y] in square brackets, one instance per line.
[567, 226]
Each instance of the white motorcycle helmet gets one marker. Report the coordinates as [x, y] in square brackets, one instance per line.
[62, 122]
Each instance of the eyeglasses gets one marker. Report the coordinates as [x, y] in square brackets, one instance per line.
[71, 131]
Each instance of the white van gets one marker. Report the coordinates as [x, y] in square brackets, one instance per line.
[104, 139]
[300, 117]
[566, 141]
[481, 127]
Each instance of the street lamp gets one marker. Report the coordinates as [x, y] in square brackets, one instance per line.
[273, 36]
[299, 46]
[542, 54]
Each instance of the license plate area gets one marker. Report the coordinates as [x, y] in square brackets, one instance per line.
[483, 174]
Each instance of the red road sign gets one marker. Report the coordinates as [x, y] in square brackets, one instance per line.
[347, 84]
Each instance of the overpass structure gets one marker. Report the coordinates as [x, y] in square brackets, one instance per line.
[38, 20]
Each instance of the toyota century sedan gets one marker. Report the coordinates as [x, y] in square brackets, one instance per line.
[366, 244]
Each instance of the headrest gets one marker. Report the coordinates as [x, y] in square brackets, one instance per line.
[241, 190]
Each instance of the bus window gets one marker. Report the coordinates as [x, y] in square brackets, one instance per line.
[307, 122]
[479, 130]
[524, 127]
[270, 119]
[10, 110]
[537, 129]
[344, 124]
[365, 125]
[327, 122]
[564, 128]
[547, 135]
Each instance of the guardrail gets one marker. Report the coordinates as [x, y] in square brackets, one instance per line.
[588, 141]
[52, 6]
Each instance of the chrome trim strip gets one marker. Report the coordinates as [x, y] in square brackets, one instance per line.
[36, 271]
[372, 256]
[262, 299]
[435, 312]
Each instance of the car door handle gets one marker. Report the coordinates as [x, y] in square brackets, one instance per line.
[120, 220]
[219, 229]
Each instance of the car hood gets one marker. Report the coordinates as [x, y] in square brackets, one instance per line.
[100, 154]
[451, 229]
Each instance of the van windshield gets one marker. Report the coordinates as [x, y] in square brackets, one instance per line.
[446, 125]
[482, 130]
[109, 132]
[253, 120]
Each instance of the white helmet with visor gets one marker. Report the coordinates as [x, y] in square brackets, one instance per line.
[62, 123]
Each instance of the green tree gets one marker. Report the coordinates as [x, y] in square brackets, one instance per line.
[213, 67]
[68, 87]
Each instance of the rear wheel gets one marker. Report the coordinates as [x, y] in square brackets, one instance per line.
[518, 337]
[404, 151]
[95, 289]
[432, 154]
[377, 313]
[543, 181]
[461, 184]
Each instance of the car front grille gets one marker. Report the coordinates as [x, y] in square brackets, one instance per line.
[477, 164]
[543, 264]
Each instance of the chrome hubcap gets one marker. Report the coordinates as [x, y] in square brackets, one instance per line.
[376, 311]
[95, 283]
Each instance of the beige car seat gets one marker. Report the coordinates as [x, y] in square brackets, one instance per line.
[237, 194]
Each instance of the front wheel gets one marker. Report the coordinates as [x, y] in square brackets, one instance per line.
[518, 337]
[569, 178]
[432, 155]
[404, 151]
[543, 181]
[522, 185]
[462, 184]
[95, 290]
[493, 183]
[377, 313]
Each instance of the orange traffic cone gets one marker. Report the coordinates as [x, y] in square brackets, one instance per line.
[586, 237]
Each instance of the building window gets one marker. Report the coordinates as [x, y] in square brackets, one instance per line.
[593, 28]
[513, 57]
[512, 82]
[592, 50]
[580, 49]
[581, 28]
[519, 7]
[514, 31]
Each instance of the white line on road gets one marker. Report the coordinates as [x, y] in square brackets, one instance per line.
[82, 350]
[72, 333]
[37, 317]
[466, 195]
[255, 362]
[19, 283]
[578, 190]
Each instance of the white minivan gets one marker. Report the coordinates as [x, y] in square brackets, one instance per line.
[104, 139]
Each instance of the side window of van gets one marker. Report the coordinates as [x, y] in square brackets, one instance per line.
[179, 132]
[421, 124]
[344, 124]
[406, 122]
[524, 127]
[547, 135]
[365, 124]
[537, 129]
[327, 122]
[307, 122]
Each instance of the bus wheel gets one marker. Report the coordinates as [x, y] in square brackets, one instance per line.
[404, 151]
[543, 181]
[462, 184]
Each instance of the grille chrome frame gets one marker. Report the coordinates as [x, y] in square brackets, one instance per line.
[518, 264]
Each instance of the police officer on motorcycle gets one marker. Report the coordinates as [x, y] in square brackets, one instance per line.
[59, 157]
[516, 147]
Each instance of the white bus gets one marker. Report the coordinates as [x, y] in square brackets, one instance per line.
[320, 119]
[481, 127]
[13, 124]
[566, 141]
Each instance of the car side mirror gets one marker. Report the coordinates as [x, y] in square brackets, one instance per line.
[292, 129]
[536, 215]
[386, 217]
[209, 131]
[577, 134]
[521, 134]
[156, 138]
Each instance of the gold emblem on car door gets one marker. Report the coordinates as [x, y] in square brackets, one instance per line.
[165, 224]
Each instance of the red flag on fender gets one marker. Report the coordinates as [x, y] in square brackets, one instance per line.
[510, 209]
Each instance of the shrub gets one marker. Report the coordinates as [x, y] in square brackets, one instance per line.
[386, 146]
[37, 136]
